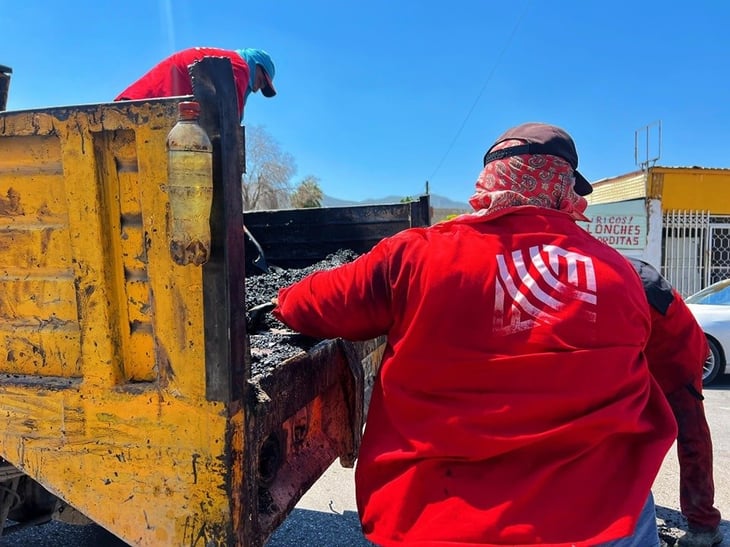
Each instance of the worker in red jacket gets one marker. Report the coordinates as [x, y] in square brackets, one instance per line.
[676, 351]
[253, 70]
[513, 405]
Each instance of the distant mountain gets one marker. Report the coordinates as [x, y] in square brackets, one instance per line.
[442, 202]
[329, 201]
[437, 202]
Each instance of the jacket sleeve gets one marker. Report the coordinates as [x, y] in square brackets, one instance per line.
[677, 347]
[352, 301]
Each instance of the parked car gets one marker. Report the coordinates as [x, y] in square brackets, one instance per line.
[711, 308]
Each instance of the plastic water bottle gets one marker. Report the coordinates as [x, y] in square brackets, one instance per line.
[189, 187]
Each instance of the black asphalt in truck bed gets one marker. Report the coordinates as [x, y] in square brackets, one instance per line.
[271, 342]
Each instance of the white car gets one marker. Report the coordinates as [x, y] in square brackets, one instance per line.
[711, 308]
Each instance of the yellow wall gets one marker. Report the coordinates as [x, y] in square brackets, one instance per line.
[692, 188]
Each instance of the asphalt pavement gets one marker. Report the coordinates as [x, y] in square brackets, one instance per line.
[666, 487]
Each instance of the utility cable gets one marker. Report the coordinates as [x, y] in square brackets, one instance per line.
[481, 92]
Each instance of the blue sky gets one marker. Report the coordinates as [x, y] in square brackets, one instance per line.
[376, 97]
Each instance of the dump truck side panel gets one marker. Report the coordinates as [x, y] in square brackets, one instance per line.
[296, 238]
[103, 388]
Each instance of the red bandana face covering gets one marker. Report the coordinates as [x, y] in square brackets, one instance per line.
[538, 179]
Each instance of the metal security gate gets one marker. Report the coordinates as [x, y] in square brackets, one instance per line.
[718, 267]
[685, 241]
[695, 249]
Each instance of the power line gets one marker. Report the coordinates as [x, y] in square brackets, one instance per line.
[481, 92]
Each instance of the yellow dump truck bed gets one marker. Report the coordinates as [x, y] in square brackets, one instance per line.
[125, 388]
[106, 394]
[125, 379]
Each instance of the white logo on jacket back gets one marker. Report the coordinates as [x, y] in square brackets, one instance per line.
[534, 285]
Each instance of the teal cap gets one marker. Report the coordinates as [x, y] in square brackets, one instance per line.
[259, 57]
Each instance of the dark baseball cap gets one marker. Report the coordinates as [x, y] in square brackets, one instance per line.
[541, 138]
[268, 90]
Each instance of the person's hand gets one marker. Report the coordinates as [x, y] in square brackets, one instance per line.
[256, 315]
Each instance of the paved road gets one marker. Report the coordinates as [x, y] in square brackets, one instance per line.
[666, 495]
[327, 517]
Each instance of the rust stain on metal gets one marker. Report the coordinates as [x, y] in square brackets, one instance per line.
[10, 204]
[46, 235]
[22, 350]
[164, 368]
[195, 459]
[44, 210]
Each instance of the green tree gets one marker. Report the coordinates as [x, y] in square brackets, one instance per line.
[266, 182]
[307, 193]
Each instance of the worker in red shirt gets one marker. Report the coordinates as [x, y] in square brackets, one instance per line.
[514, 404]
[676, 351]
[253, 70]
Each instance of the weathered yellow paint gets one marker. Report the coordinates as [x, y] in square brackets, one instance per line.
[102, 394]
[147, 467]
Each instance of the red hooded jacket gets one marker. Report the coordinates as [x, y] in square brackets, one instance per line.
[170, 77]
[513, 405]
